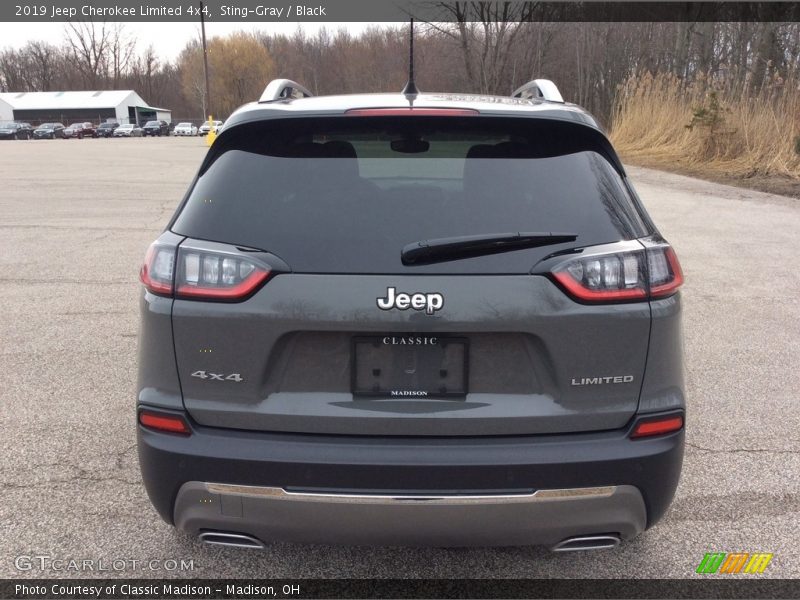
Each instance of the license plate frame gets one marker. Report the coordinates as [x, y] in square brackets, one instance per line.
[385, 380]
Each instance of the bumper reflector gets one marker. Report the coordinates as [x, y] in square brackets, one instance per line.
[164, 422]
[660, 426]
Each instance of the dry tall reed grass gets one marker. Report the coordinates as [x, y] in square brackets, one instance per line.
[707, 125]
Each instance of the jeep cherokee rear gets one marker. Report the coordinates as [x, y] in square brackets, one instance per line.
[429, 319]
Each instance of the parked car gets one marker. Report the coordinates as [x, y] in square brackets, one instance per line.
[128, 130]
[428, 319]
[80, 130]
[49, 130]
[27, 127]
[15, 131]
[185, 128]
[206, 127]
[156, 128]
[106, 130]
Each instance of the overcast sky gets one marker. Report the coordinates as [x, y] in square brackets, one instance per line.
[168, 39]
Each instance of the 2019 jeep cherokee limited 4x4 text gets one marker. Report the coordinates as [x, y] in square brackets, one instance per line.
[411, 319]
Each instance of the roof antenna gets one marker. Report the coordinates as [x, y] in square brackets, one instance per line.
[411, 87]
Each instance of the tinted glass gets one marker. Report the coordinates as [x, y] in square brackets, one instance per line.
[346, 195]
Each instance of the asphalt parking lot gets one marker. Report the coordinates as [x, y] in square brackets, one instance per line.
[75, 219]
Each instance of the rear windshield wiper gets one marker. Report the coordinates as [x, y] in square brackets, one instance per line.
[467, 246]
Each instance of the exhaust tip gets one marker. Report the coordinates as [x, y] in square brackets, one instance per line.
[587, 542]
[232, 540]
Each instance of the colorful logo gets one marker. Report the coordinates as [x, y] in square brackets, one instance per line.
[734, 562]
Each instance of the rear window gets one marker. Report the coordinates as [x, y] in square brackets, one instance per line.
[345, 195]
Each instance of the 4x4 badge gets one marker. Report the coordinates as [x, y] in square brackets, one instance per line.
[217, 376]
[429, 302]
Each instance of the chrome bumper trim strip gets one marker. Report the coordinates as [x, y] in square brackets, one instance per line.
[282, 494]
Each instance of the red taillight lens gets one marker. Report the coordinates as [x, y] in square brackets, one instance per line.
[621, 276]
[411, 112]
[164, 422]
[217, 276]
[157, 271]
[659, 426]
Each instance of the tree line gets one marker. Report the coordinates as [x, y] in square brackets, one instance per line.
[473, 53]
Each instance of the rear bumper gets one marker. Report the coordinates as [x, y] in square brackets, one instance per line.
[542, 517]
[189, 481]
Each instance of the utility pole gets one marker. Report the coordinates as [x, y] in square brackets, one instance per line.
[205, 61]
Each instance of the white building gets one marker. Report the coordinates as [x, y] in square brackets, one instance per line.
[126, 106]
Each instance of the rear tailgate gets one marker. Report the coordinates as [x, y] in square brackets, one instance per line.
[535, 357]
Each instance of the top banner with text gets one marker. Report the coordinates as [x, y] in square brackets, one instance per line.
[390, 11]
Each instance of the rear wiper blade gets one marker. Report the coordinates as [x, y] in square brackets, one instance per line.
[468, 246]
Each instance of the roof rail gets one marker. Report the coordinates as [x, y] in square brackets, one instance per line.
[539, 88]
[281, 89]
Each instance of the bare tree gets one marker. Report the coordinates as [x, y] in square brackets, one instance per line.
[12, 71]
[145, 72]
[43, 63]
[193, 80]
[89, 43]
[121, 50]
[486, 33]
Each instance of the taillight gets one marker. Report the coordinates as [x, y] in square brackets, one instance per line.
[216, 276]
[164, 422]
[158, 268]
[621, 276]
[202, 271]
[604, 278]
[657, 426]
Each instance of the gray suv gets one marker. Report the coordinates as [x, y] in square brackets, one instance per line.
[419, 319]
